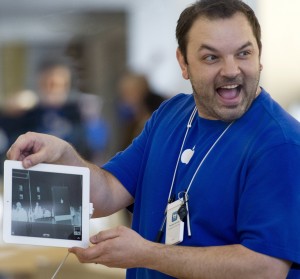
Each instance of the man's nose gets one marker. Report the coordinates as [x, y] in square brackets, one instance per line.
[230, 68]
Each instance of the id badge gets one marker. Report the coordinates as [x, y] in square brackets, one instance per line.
[174, 226]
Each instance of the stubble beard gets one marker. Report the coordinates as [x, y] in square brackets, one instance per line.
[210, 109]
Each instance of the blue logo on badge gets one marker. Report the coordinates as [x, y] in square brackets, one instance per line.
[174, 216]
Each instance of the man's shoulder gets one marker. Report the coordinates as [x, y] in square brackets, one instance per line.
[179, 101]
[274, 119]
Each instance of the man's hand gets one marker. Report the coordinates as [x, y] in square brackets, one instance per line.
[124, 248]
[119, 247]
[33, 148]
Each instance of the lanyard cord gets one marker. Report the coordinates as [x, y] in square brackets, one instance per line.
[189, 125]
[202, 161]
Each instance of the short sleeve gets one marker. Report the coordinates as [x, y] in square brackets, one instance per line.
[268, 216]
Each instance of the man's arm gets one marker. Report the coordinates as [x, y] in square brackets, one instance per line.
[107, 194]
[122, 247]
[230, 261]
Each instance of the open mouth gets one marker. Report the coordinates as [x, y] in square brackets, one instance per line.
[229, 94]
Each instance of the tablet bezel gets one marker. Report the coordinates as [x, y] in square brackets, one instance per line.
[8, 237]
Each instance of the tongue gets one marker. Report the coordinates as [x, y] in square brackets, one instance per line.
[228, 93]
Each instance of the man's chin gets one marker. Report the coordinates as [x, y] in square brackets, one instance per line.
[231, 114]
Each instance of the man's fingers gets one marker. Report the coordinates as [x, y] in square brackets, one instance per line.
[22, 147]
[105, 235]
[87, 255]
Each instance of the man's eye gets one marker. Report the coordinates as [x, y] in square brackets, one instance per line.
[244, 53]
[210, 58]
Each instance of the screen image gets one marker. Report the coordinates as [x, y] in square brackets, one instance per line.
[46, 204]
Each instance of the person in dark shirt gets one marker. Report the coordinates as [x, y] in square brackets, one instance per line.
[57, 112]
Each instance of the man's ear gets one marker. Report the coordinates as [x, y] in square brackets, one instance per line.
[260, 67]
[182, 64]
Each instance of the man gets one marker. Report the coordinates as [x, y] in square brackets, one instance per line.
[225, 158]
[57, 111]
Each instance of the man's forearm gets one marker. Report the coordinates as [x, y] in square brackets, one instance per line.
[106, 192]
[231, 261]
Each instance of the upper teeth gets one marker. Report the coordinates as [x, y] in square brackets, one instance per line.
[230, 86]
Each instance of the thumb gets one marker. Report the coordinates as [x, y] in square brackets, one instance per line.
[32, 160]
[27, 162]
[105, 235]
[96, 238]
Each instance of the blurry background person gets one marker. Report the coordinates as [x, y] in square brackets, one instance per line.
[57, 112]
[137, 102]
[96, 129]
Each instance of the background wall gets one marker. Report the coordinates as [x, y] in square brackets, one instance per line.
[280, 22]
[151, 44]
[150, 27]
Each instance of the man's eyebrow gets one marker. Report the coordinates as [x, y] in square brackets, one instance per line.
[211, 48]
[207, 47]
[245, 45]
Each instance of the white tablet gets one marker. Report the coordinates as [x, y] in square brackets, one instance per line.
[46, 205]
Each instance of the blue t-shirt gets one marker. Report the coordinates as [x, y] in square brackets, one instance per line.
[247, 191]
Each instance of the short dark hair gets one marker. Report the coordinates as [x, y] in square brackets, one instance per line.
[214, 9]
[52, 62]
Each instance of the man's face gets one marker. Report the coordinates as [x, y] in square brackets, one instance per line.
[223, 65]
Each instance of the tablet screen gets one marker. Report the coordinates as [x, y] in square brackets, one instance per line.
[46, 205]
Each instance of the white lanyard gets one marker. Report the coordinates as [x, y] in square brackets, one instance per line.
[185, 196]
[185, 193]
[189, 125]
